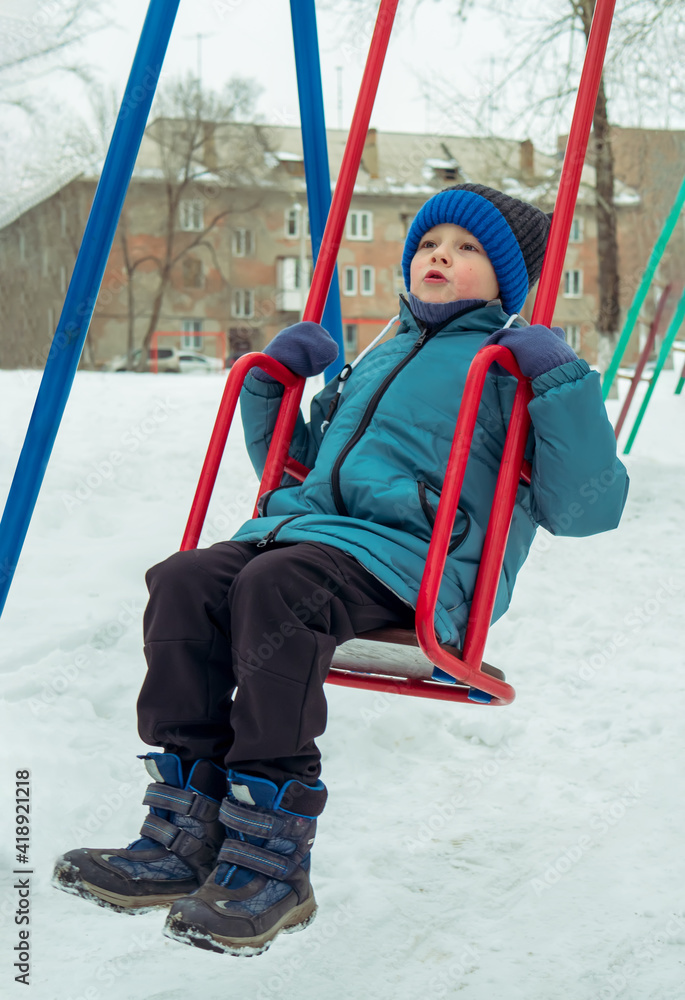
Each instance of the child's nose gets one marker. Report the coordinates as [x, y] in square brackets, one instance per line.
[441, 253]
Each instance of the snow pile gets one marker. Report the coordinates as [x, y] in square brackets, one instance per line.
[524, 853]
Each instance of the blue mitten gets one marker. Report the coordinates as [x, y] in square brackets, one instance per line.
[305, 348]
[537, 348]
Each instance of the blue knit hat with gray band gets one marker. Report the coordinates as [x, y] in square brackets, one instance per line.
[512, 233]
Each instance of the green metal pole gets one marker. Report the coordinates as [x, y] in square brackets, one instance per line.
[670, 336]
[641, 293]
[681, 382]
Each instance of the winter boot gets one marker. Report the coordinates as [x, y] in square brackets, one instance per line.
[180, 841]
[261, 885]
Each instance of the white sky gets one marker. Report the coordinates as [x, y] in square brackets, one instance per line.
[457, 61]
[254, 39]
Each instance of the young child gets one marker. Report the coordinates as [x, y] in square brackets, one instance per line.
[239, 636]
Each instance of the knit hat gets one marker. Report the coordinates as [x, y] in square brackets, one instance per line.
[512, 233]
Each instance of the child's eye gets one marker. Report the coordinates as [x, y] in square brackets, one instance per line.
[469, 246]
[429, 243]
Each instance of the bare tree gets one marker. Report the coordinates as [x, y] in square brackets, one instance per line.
[39, 42]
[549, 62]
[197, 163]
[644, 74]
[39, 45]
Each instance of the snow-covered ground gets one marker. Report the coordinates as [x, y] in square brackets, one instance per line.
[525, 853]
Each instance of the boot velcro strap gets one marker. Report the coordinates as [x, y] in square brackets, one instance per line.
[244, 820]
[181, 800]
[180, 842]
[259, 860]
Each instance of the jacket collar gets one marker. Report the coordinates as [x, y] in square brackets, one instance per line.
[477, 319]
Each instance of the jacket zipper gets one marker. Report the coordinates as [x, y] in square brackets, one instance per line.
[264, 499]
[368, 414]
[268, 538]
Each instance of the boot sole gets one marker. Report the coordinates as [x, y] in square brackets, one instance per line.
[68, 878]
[295, 920]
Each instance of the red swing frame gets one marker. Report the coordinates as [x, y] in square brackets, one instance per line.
[476, 682]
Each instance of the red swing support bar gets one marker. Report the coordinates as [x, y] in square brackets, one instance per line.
[476, 681]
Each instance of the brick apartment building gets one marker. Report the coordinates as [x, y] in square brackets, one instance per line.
[239, 241]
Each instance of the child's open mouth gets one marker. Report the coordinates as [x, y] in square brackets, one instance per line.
[435, 278]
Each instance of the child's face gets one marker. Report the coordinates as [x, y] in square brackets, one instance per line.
[451, 264]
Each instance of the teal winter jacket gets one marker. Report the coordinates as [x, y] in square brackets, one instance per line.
[377, 470]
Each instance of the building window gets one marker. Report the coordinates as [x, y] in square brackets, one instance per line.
[22, 246]
[360, 226]
[289, 278]
[398, 281]
[51, 322]
[367, 280]
[191, 215]
[243, 242]
[573, 284]
[190, 340]
[192, 272]
[63, 220]
[577, 228]
[292, 222]
[62, 279]
[350, 333]
[406, 219]
[573, 336]
[350, 281]
[243, 303]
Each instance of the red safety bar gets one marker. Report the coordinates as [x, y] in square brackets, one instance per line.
[476, 681]
[466, 665]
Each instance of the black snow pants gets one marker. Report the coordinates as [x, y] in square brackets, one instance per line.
[238, 642]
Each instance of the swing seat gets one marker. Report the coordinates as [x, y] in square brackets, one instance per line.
[376, 656]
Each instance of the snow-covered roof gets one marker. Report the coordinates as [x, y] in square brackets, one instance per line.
[435, 163]
[29, 194]
[394, 163]
[284, 156]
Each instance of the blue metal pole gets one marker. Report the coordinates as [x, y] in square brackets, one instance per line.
[316, 168]
[67, 345]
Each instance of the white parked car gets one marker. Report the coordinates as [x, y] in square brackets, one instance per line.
[169, 359]
[191, 361]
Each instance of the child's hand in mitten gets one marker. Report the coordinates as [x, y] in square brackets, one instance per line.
[305, 348]
[537, 349]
